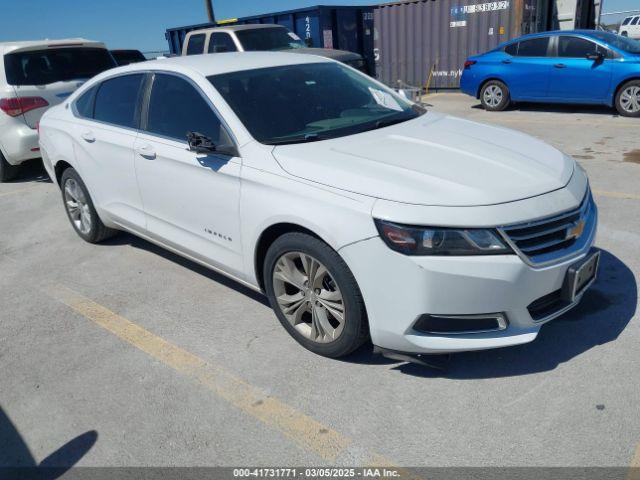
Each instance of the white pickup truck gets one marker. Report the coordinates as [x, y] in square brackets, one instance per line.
[262, 37]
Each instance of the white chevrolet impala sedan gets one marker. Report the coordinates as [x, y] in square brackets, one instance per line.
[358, 213]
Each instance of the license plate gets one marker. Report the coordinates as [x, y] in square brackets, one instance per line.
[580, 276]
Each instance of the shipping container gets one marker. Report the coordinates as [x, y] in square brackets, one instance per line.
[420, 42]
[336, 27]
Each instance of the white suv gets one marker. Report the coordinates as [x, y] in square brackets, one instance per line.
[34, 76]
[630, 27]
[354, 210]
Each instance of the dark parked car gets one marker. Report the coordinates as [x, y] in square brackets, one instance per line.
[125, 57]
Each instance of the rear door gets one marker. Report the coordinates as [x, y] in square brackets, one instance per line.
[574, 77]
[526, 71]
[45, 76]
[108, 118]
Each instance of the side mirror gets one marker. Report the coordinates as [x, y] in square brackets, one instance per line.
[595, 56]
[200, 143]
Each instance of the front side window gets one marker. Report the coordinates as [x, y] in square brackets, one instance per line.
[536, 47]
[176, 107]
[317, 101]
[221, 42]
[575, 47]
[626, 21]
[196, 44]
[267, 39]
[44, 67]
[117, 101]
[635, 21]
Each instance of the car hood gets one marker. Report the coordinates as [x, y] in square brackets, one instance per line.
[433, 160]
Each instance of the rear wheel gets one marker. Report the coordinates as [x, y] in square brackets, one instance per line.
[628, 99]
[314, 295]
[7, 171]
[495, 96]
[80, 210]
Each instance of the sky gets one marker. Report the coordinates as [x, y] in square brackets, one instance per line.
[141, 24]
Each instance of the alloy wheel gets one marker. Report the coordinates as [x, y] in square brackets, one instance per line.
[630, 99]
[309, 297]
[77, 206]
[493, 95]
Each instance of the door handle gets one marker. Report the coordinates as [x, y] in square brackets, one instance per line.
[560, 65]
[88, 137]
[506, 60]
[146, 151]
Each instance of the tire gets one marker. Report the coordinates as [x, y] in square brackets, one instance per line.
[83, 217]
[628, 99]
[495, 96]
[7, 171]
[331, 294]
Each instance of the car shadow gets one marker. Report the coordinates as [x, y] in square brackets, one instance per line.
[31, 171]
[17, 461]
[559, 108]
[124, 238]
[600, 318]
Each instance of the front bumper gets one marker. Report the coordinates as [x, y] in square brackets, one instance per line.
[398, 289]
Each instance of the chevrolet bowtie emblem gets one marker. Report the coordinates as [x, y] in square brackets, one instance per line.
[575, 230]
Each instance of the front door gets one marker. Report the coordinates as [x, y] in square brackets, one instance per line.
[191, 200]
[574, 77]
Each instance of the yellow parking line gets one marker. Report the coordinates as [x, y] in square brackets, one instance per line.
[634, 467]
[304, 430]
[629, 196]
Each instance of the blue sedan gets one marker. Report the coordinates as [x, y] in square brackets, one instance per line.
[577, 67]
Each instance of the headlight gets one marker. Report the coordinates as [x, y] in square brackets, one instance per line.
[441, 241]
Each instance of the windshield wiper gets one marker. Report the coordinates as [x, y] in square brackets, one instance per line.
[307, 137]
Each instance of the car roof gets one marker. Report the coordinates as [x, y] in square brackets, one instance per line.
[208, 64]
[6, 47]
[238, 28]
[583, 32]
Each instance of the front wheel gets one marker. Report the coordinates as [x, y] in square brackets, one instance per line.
[495, 96]
[314, 295]
[80, 209]
[628, 99]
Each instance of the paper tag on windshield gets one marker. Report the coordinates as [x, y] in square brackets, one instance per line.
[294, 36]
[385, 99]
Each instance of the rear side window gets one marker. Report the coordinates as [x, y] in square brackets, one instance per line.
[221, 42]
[635, 21]
[536, 47]
[84, 104]
[626, 21]
[575, 47]
[196, 44]
[43, 67]
[176, 107]
[117, 101]
[511, 49]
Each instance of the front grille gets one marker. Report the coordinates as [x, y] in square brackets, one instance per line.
[550, 239]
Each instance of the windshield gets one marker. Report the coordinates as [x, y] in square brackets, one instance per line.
[309, 102]
[618, 41]
[43, 67]
[266, 39]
